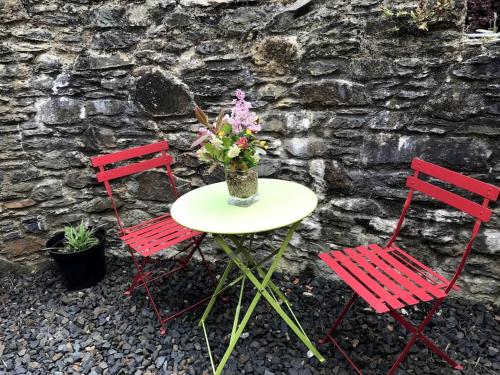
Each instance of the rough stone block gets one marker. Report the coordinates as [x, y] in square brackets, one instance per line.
[454, 103]
[366, 69]
[276, 55]
[63, 159]
[204, 3]
[21, 249]
[153, 186]
[107, 16]
[482, 67]
[160, 95]
[97, 205]
[305, 147]
[325, 67]
[12, 10]
[60, 111]
[491, 240]
[18, 204]
[46, 190]
[459, 152]
[114, 39]
[35, 35]
[93, 61]
[335, 92]
[107, 107]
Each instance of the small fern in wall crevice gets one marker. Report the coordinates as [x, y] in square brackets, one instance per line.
[418, 21]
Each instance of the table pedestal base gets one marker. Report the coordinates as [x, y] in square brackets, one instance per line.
[241, 258]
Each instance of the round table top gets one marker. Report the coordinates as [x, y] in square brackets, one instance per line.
[280, 204]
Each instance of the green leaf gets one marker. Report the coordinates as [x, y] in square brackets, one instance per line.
[227, 142]
[227, 128]
[79, 238]
[211, 149]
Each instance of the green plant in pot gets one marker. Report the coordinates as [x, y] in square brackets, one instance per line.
[79, 255]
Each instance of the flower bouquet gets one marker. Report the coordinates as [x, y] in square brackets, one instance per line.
[230, 141]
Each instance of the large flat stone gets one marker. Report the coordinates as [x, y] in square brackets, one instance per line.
[337, 92]
[160, 95]
[456, 152]
[114, 39]
[60, 111]
[107, 16]
[12, 10]
[93, 61]
[305, 147]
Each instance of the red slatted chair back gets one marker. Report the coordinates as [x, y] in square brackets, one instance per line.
[105, 175]
[480, 212]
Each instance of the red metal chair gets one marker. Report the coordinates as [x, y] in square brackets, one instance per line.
[155, 235]
[389, 279]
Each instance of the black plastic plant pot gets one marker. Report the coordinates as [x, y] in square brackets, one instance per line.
[81, 269]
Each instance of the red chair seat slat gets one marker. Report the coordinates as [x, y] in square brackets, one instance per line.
[414, 277]
[394, 274]
[161, 238]
[143, 224]
[450, 198]
[172, 241]
[383, 279]
[422, 266]
[130, 153]
[156, 236]
[150, 230]
[371, 283]
[374, 273]
[457, 179]
[375, 302]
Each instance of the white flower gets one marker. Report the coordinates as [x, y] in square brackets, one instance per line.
[202, 154]
[233, 151]
[216, 142]
[256, 157]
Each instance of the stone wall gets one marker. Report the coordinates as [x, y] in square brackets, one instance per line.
[480, 14]
[345, 99]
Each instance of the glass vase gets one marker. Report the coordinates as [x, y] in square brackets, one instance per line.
[242, 186]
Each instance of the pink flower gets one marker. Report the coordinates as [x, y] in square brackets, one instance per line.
[203, 131]
[240, 94]
[242, 143]
[241, 117]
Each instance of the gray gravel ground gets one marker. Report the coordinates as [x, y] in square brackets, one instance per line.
[45, 329]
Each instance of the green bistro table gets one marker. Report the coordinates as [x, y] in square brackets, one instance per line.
[281, 204]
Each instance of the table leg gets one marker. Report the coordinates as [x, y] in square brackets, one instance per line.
[262, 273]
[262, 291]
[217, 291]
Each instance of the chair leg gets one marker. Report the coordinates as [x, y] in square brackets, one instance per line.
[196, 247]
[139, 275]
[344, 311]
[163, 329]
[418, 335]
[141, 278]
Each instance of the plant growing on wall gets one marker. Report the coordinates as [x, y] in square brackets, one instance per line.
[417, 21]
